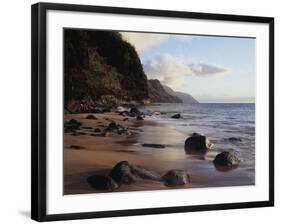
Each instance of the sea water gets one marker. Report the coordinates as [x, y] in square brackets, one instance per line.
[218, 121]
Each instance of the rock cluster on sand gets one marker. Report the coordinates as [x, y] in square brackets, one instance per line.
[224, 161]
[134, 112]
[198, 142]
[126, 173]
[117, 128]
[71, 125]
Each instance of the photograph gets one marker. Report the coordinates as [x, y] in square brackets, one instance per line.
[150, 111]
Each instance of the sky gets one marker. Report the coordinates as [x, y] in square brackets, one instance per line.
[210, 68]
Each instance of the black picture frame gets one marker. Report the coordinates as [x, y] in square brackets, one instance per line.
[39, 124]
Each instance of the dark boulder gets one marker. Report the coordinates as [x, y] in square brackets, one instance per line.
[97, 130]
[102, 182]
[145, 174]
[159, 146]
[198, 142]
[91, 116]
[176, 116]
[226, 159]
[123, 173]
[77, 147]
[176, 177]
[117, 128]
[106, 110]
[135, 110]
[100, 134]
[112, 126]
[72, 125]
[87, 128]
[234, 139]
[140, 118]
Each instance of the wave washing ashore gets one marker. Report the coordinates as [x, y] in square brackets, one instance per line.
[158, 151]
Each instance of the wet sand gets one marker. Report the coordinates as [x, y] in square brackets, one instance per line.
[99, 154]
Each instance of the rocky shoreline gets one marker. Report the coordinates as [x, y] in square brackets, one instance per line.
[119, 123]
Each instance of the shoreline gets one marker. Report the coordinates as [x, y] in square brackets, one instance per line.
[100, 153]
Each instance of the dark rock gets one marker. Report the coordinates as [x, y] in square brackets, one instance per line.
[135, 110]
[234, 139]
[140, 118]
[124, 113]
[101, 134]
[126, 119]
[176, 177]
[176, 116]
[91, 116]
[159, 146]
[82, 133]
[113, 126]
[145, 174]
[77, 147]
[87, 127]
[97, 130]
[102, 182]
[198, 142]
[117, 128]
[106, 110]
[72, 125]
[96, 110]
[122, 172]
[226, 159]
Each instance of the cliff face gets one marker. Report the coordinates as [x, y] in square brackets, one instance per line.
[99, 66]
[185, 98]
[157, 93]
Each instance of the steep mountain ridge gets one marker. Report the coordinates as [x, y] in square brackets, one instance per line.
[100, 67]
[157, 93]
[185, 97]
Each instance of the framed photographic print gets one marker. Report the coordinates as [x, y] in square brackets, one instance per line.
[139, 111]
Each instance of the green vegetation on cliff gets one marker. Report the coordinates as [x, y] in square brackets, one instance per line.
[101, 66]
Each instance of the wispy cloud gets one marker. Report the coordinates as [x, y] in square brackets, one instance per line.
[172, 71]
[208, 69]
[144, 41]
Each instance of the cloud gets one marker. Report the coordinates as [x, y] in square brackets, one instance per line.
[208, 69]
[187, 38]
[172, 71]
[144, 41]
[167, 69]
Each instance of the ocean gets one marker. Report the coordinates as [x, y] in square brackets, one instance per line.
[218, 121]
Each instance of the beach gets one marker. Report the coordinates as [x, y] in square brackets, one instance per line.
[88, 153]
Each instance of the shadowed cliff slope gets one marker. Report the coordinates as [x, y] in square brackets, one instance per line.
[158, 94]
[99, 66]
[185, 97]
